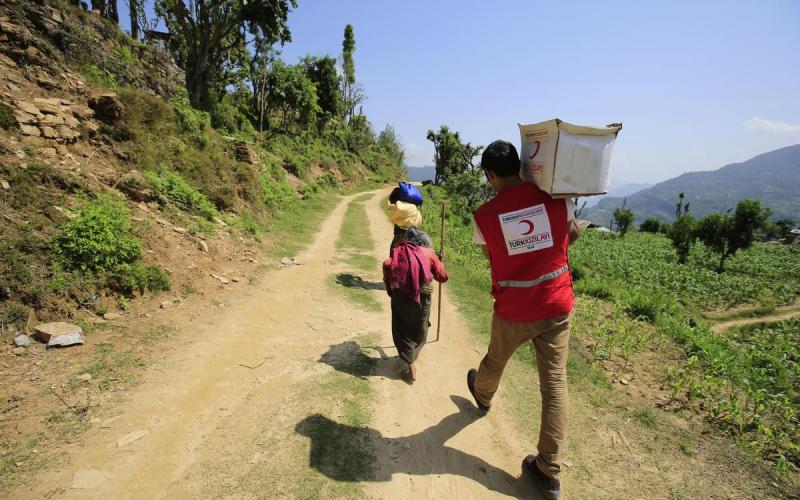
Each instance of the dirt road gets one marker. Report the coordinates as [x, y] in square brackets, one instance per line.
[261, 404]
[208, 420]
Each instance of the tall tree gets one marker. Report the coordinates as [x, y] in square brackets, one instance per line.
[291, 97]
[390, 143]
[682, 231]
[457, 170]
[727, 234]
[322, 72]
[112, 11]
[450, 155]
[136, 12]
[349, 69]
[623, 217]
[209, 34]
[263, 56]
[360, 135]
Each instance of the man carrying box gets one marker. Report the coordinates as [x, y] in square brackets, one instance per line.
[525, 235]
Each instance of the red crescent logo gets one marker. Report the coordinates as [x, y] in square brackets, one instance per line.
[535, 151]
[530, 226]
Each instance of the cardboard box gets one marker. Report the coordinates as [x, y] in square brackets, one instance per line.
[567, 160]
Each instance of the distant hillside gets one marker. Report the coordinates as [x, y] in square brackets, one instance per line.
[617, 192]
[773, 178]
[419, 174]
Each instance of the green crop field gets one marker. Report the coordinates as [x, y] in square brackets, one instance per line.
[762, 274]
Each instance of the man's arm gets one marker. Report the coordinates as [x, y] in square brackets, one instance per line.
[437, 266]
[387, 264]
[574, 232]
[572, 223]
[477, 238]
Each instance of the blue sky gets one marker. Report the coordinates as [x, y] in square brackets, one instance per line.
[697, 85]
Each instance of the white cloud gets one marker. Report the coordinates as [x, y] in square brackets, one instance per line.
[418, 155]
[762, 124]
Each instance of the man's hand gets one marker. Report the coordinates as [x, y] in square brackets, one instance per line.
[440, 255]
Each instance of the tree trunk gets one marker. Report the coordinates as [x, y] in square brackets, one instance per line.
[112, 11]
[198, 84]
[99, 5]
[133, 7]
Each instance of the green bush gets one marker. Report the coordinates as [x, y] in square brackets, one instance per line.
[137, 276]
[193, 121]
[577, 271]
[12, 313]
[123, 53]
[275, 194]
[171, 186]
[145, 112]
[648, 305]
[651, 225]
[99, 238]
[230, 117]
[99, 77]
[594, 287]
[7, 119]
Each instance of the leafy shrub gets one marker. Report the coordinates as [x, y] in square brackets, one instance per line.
[594, 287]
[275, 194]
[137, 276]
[99, 77]
[309, 190]
[647, 305]
[7, 119]
[229, 117]
[193, 121]
[683, 234]
[623, 218]
[578, 272]
[123, 53]
[11, 313]
[174, 188]
[291, 97]
[99, 238]
[651, 225]
[144, 110]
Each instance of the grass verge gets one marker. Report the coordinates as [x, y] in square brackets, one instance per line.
[293, 228]
[353, 245]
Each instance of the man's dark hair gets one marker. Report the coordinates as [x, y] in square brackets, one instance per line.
[501, 157]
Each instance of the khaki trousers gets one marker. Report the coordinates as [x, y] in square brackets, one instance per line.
[550, 338]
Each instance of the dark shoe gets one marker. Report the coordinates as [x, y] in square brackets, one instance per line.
[549, 488]
[471, 376]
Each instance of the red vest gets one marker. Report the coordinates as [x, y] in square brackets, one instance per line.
[527, 236]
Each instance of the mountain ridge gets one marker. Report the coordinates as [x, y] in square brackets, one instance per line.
[770, 177]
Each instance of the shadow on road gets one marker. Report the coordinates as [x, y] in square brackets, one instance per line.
[346, 453]
[353, 281]
[349, 357]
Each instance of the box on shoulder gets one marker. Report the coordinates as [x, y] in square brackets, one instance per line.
[567, 160]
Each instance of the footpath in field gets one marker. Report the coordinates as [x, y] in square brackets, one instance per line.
[293, 392]
[780, 314]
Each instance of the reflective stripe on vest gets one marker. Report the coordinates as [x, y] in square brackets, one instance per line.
[528, 284]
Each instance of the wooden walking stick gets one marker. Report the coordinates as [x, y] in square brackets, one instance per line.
[441, 255]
